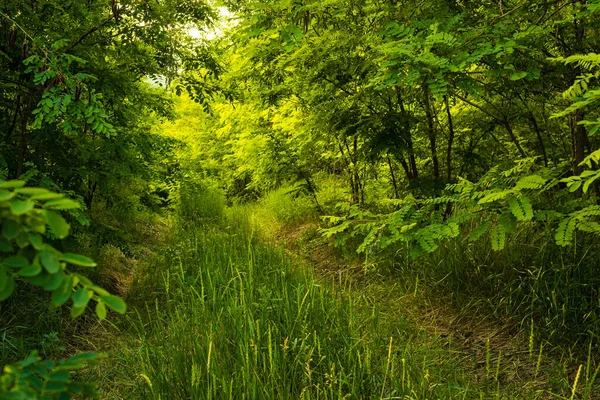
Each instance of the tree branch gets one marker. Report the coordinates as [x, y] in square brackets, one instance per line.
[88, 33]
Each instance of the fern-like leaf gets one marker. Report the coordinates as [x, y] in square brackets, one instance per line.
[564, 232]
[498, 236]
[508, 222]
[491, 197]
[426, 242]
[480, 231]
[531, 182]
[590, 227]
[521, 208]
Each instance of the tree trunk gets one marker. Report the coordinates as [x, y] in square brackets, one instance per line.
[15, 118]
[536, 129]
[579, 141]
[413, 165]
[450, 141]
[512, 136]
[23, 138]
[89, 196]
[432, 133]
[394, 182]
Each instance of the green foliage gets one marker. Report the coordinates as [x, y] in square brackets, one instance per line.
[505, 199]
[445, 122]
[29, 259]
[33, 378]
[580, 93]
[26, 216]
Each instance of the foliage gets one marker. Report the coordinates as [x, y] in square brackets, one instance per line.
[27, 214]
[33, 378]
[582, 95]
[503, 199]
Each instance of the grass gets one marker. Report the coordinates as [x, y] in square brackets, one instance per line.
[224, 314]
[221, 312]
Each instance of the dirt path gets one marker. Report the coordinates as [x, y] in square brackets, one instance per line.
[483, 343]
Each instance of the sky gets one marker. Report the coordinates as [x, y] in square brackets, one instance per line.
[225, 19]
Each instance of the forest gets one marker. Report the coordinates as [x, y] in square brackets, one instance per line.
[299, 199]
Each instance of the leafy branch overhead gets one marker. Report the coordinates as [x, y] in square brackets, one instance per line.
[494, 205]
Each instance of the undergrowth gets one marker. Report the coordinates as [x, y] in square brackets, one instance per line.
[224, 314]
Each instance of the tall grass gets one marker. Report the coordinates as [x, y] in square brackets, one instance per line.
[223, 315]
[280, 209]
[533, 279]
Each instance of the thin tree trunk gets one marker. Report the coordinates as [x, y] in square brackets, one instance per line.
[432, 133]
[23, 138]
[15, 117]
[503, 119]
[413, 165]
[513, 138]
[578, 141]
[394, 182]
[349, 166]
[89, 196]
[405, 167]
[360, 195]
[450, 141]
[536, 128]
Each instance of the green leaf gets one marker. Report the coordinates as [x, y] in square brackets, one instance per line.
[16, 262]
[9, 287]
[587, 184]
[5, 195]
[573, 186]
[531, 182]
[10, 229]
[32, 191]
[77, 259]
[22, 240]
[479, 231]
[101, 310]
[498, 236]
[87, 357]
[30, 360]
[39, 280]
[5, 245]
[58, 225]
[3, 278]
[491, 197]
[114, 302]
[564, 232]
[36, 240]
[63, 293]
[518, 75]
[21, 207]
[82, 297]
[60, 376]
[47, 196]
[31, 270]
[521, 208]
[11, 184]
[77, 311]
[99, 291]
[53, 281]
[55, 387]
[62, 204]
[50, 261]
